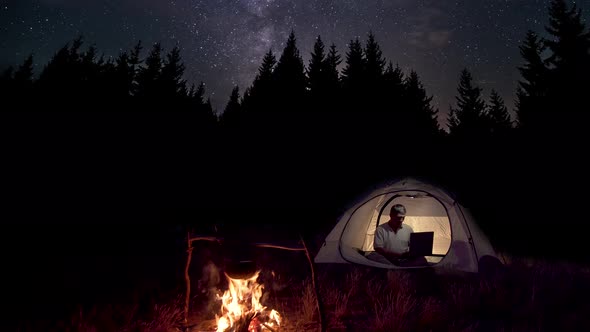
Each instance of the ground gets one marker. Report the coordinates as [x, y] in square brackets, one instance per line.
[528, 295]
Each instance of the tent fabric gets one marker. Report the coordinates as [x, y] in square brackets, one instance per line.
[459, 243]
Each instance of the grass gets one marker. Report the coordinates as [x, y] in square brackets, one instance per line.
[529, 296]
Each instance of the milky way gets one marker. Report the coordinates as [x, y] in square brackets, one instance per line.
[223, 41]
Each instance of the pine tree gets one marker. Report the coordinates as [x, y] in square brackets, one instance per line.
[92, 84]
[259, 95]
[332, 62]
[500, 121]
[375, 64]
[134, 62]
[420, 115]
[149, 75]
[62, 79]
[353, 72]
[468, 119]
[205, 116]
[232, 113]
[209, 111]
[375, 95]
[317, 70]
[54, 73]
[289, 76]
[23, 81]
[24, 74]
[571, 41]
[570, 59]
[332, 97]
[532, 90]
[324, 80]
[393, 84]
[124, 76]
[198, 95]
[171, 82]
[74, 51]
[267, 67]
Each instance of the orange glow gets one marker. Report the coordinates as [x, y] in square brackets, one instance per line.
[241, 307]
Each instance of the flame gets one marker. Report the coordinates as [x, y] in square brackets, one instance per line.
[241, 309]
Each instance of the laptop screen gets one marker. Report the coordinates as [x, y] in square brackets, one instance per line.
[421, 243]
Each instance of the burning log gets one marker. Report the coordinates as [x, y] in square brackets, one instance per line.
[241, 308]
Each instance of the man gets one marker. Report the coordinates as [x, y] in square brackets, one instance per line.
[392, 239]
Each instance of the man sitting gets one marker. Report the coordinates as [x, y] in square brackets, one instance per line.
[392, 240]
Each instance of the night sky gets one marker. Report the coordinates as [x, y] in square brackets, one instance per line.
[223, 41]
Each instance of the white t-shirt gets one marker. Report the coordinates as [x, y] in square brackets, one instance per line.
[387, 239]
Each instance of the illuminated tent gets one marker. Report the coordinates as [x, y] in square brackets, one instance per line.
[459, 244]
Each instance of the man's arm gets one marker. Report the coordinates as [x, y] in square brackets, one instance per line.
[390, 255]
[379, 244]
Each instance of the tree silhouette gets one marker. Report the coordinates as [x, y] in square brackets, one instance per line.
[266, 68]
[375, 64]
[374, 92]
[133, 69]
[148, 77]
[289, 77]
[18, 87]
[257, 100]
[570, 61]
[205, 116]
[468, 119]
[96, 79]
[317, 70]
[324, 79]
[353, 73]
[500, 121]
[353, 99]
[331, 64]
[419, 115]
[56, 69]
[23, 76]
[57, 80]
[532, 90]
[231, 116]
[209, 109]
[393, 80]
[172, 86]
[124, 77]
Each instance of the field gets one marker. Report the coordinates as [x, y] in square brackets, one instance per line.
[143, 290]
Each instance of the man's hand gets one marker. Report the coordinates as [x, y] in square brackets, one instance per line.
[390, 255]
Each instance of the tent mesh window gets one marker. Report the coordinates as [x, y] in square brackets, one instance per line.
[424, 214]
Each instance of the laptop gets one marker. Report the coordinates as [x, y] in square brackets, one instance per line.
[421, 244]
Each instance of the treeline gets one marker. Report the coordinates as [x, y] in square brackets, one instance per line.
[313, 131]
[554, 80]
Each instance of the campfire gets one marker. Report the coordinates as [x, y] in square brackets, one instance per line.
[241, 310]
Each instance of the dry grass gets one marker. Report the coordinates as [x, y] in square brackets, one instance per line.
[537, 297]
[160, 318]
[393, 312]
[542, 296]
[164, 318]
[308, 302]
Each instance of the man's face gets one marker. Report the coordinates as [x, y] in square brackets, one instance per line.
[395, 220]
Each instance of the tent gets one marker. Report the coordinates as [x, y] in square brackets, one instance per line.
[459, 244]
